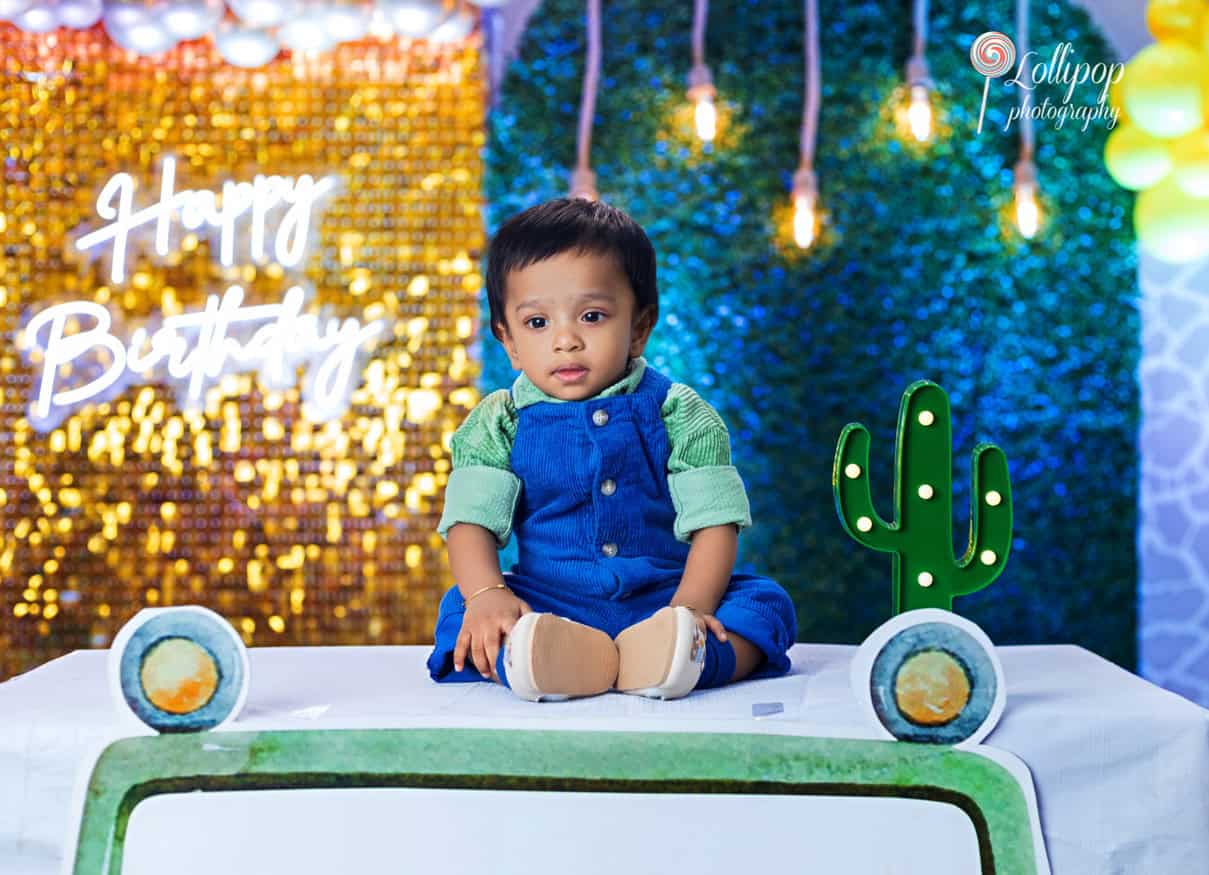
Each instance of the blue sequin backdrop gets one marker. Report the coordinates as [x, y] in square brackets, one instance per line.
[919, 274]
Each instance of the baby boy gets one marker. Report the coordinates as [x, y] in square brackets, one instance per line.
[616, 481]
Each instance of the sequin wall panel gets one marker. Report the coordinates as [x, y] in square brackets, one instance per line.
[298, 499]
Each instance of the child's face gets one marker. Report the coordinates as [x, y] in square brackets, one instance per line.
[571, 324]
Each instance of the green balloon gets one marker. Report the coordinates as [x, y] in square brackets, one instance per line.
[1135, 159]
[1164, 89]
[1172, 225]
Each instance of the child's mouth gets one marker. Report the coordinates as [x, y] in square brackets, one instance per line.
[571, 375]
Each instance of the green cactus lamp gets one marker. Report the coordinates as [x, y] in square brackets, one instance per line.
[926, 573]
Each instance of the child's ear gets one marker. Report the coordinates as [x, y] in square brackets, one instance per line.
[643, 326]
[500, 330]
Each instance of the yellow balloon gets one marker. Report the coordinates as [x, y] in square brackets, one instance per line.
[1135, 159]
[1116, 99]
[1171, 225]
[1190, 163]
[1164, 89]
[1175, 19]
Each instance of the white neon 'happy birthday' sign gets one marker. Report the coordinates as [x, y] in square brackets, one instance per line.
[199, 208]
[197, 348]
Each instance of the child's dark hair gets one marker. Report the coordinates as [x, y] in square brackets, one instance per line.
[556, 226]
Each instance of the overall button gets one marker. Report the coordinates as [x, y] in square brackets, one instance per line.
[600, 417]
[609, 549]
[608, 487]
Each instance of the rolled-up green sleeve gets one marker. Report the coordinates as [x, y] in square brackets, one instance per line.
[706, 488]
[481, 495]
[712, 496]
[482, 488]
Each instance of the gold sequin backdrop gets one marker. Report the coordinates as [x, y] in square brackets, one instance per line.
[297, 532]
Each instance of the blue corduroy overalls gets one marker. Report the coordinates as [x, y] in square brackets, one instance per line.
[594, 530]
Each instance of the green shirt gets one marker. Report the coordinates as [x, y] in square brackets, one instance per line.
[706, 488]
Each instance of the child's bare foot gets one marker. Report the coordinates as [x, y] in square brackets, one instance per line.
[661, 657]
[548, 658]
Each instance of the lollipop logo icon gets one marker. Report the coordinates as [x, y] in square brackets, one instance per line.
[992, 55]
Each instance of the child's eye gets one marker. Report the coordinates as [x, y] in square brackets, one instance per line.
[532, 319]
[597, 313]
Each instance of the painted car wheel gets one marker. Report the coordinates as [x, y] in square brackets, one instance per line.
[180, 669]
[932, 677]
[932, 683]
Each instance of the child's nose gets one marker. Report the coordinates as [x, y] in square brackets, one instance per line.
[567, 339]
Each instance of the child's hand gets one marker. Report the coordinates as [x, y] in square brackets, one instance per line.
[487, 620]
[708, 622]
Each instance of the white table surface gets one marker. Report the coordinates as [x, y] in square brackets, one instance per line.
[1121, 766]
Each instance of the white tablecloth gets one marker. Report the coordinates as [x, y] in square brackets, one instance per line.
[1121, 767]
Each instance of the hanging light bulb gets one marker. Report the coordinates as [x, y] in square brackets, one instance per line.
[919, 113]
[919, 82]
[805, 201]
[701, 92]
[805, 184]
[700, 84]
[1028, 213]
[705, 119]
[803, 221]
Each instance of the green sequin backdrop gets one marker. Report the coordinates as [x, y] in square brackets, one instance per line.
[919, 274]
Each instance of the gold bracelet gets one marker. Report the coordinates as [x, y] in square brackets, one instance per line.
[475, 595]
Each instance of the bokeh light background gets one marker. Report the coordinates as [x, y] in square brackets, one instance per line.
[297, 532]
[309, 534]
